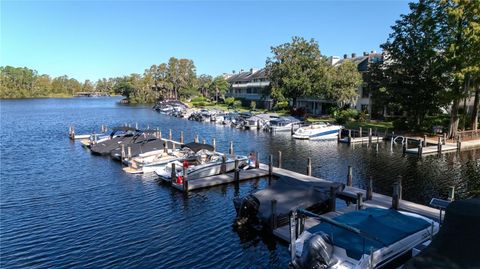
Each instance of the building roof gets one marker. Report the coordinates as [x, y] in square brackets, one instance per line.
[247, 76]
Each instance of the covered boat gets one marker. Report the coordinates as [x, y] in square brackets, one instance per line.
[107, 146]
[317, 131]
[290, 194]
[283, 124]
[368, 238]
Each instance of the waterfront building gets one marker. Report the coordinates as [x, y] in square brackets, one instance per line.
[253, 85]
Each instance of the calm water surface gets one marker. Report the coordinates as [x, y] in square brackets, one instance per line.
[62, 207]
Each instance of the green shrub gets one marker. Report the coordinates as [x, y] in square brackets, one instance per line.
[343, 116]
[229, 101]
[281, 105]
[237, 103]
[253, 104]
[198, 99]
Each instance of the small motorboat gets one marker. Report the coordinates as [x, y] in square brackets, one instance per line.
[318, 131]
[202, 162]
[150, 161]
[367, 238]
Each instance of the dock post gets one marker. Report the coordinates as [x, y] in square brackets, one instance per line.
[270, 165]
[123, 152]
[231, 148]
[72, 133]
[159, 134]
[439, 145]
[279, 159]
[170, 136]
[181, 137]
[376, 132]
[129, 153]
[257, 160]
[339, 137]
[451, 193]
[173, 145]
[173, 174]
[444, 138]
[214, 144]
[369, 135]
[333, 199]
[369, 195]
[185, 179]
[293, 224]
[223, 167]
[309, 166]
[292, 131]
[404, 148]
[349, 176]
[359, 200]
[400, 188]
[136, 125]
[395, 197]
[273, 207]
[425, 140]
[103, 129]
[204, 141]
[360, 132]
[196, 140]
[236, 175]
[459, 143]
[420, 149]
[391, 144]
[349, 136]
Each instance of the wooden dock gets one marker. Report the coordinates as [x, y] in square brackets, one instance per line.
[361, 140]
[432, 150]
[350, 193]
[221, 179]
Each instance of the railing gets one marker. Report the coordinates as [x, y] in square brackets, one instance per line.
[470, 134]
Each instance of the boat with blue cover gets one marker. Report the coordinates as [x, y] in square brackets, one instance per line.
[368, 238]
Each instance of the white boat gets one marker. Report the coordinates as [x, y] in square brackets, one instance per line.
[368, 238]
[150, 161]
[317, 131]
[203, 164]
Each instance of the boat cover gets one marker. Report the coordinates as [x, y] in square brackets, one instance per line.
[139, 148]
[387, 226]
[123, 129]
[292, 194]
[456, 244]
[196, 147]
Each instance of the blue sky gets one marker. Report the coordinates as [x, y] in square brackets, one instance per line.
[95, 39]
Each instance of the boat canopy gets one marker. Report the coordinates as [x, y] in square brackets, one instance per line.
[387, 226]
[196, 147]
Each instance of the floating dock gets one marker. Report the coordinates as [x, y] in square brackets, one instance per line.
[362, 140]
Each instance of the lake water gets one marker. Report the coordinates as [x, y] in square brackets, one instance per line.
[62, 207]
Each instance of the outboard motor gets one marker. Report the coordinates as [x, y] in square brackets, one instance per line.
[316, 254]
[247, 209]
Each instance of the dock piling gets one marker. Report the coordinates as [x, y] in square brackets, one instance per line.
[369, 135]
[214, 144]
[170, 136]
[369, 195]
[136, 125]
[459, 143]
[451, 193]
[236, 175]
[279, 159]
[333, 199]
[273, 207]
[223, 167]
[270, 165]
[349, 176]
[360, 132]
[359, 200]
[395, 197]
[309, 166]
[420, 149]
[339, 137]
[439, 145]
[204, 141]
[425, 140]
[257, 160]
[173, 174]
[293, 224]
[129, 153]
[349, 136]
[159, 134]
[123, 152]
[444, 138]
[185, 179]
[196, 140]
[231, 148]
[400, 188]
[181, 137]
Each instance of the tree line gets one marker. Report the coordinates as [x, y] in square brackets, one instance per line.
[431, 64]
[175, 79]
